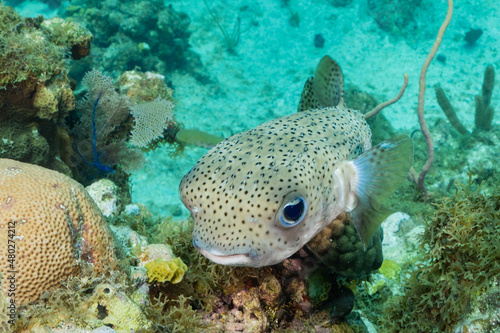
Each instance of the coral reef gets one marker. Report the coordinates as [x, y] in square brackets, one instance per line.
[76, 305]
[250, 299]
[100, 133]
[35, 90]
[338, 246]
[461, 259]
[144, 86]
[209, 297]
[104, 120]
[147, 34]
[148, 87]
[179, 317]
[54, 225]
[154, 252]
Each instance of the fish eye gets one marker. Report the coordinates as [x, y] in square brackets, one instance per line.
[293, 212]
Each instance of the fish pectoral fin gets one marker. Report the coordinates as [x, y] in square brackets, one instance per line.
[379, 171]
[325, 88]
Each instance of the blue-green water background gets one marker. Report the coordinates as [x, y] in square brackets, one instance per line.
[264, 77]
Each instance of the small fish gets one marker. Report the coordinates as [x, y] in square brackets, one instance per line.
[259, 196]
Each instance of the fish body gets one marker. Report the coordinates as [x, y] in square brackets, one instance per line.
[259, 196]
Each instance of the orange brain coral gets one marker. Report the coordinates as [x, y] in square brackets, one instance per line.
[48, 226]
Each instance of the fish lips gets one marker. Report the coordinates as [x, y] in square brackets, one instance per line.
[219, 257]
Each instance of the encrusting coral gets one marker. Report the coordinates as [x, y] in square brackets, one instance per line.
[90, 300]
[111, 306]
[51, 225]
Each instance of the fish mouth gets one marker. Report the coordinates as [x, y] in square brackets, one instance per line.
[241, 259]
[237, 259]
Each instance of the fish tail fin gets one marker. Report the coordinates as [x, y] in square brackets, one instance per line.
[325, 89]
[380, 170]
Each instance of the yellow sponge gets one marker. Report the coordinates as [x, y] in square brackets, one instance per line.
[390, 269]
[162, 270]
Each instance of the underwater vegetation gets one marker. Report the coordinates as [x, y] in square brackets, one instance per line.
[469, 152]
[460, 261]
[209, 298]
[42, 122]
[102, 110]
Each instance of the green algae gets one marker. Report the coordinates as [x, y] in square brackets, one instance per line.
[177, 318]
[461, 256]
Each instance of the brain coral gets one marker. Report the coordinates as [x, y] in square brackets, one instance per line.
[48, 226]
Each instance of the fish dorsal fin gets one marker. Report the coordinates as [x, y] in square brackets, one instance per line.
[307, 100]
[326, 88]
[328, 84]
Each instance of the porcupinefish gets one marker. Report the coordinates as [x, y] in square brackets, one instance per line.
[260, 195]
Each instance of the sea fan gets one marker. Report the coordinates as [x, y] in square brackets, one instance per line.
[151, 119]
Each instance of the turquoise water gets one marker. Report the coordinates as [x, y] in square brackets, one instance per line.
[263, 78]
[249, 60]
